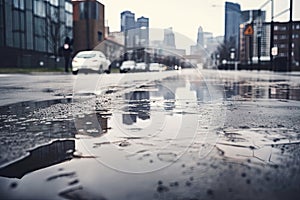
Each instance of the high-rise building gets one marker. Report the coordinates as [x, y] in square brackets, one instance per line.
[142, 24]
[200, 37]
[232, 24]
[128, 26]
[89, 26]
[136, 32]
[169, 38]
[127, 21]
[33, 30]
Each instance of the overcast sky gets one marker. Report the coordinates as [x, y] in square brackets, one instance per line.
[185, 16]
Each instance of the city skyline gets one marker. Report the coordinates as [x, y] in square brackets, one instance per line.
[210, 15]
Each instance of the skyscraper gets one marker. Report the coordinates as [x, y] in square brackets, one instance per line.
[142, 24]
[169, 38]
[232, 24]
[200, 37]
[136, 32]
[127, 21]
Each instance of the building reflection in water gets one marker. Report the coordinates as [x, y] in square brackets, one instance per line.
[201, 90]
[284, 91]
[167, 91]
[245, 90]
[138, 103]
[250, 91]
[93, 124]
[41, 157]
[138, 107]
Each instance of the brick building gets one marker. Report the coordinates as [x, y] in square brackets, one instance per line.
[88, 24]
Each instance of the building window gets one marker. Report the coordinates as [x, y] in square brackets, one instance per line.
[69, 7]
[283, 28]
[19, 4]
[82, 11]
[40, 26]
[16, 20]
[275, 28]
[88, 10]
[275, 37]
[282, 54]
[16, 39]
[69, 20]
[39, 8]
[54, 14]
[282, 37]
[40, 43]
[298, 26]
[94, 11]
[282, 46]
[100, 35]
[54, 2]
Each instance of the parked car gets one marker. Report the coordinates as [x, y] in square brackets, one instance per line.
[90, 61]
[157, 67]
[141, 66]
[127, 66]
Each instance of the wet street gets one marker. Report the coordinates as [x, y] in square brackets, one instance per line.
[186, 134]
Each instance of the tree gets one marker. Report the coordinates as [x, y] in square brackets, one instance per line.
[54, 32]
[223, 50]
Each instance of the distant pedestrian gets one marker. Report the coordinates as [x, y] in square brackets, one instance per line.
[67, 52]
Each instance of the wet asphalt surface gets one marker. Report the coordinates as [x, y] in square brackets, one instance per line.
[186, 134]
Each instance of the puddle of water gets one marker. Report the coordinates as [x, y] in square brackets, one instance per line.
[154, 125]
[175, 124]
[23, 129]
[39, 158]
[156, 116]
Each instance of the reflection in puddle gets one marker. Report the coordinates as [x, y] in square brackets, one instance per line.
[155, 124]
[284, 91]
[176, 123]
[138, 107]
[249, 90]
[92, 124]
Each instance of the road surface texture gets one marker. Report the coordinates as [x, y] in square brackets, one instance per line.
[186, 134]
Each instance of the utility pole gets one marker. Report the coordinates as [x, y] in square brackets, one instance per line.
[86, 15]
[259, 34]
[290, 49]
[272, 34]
